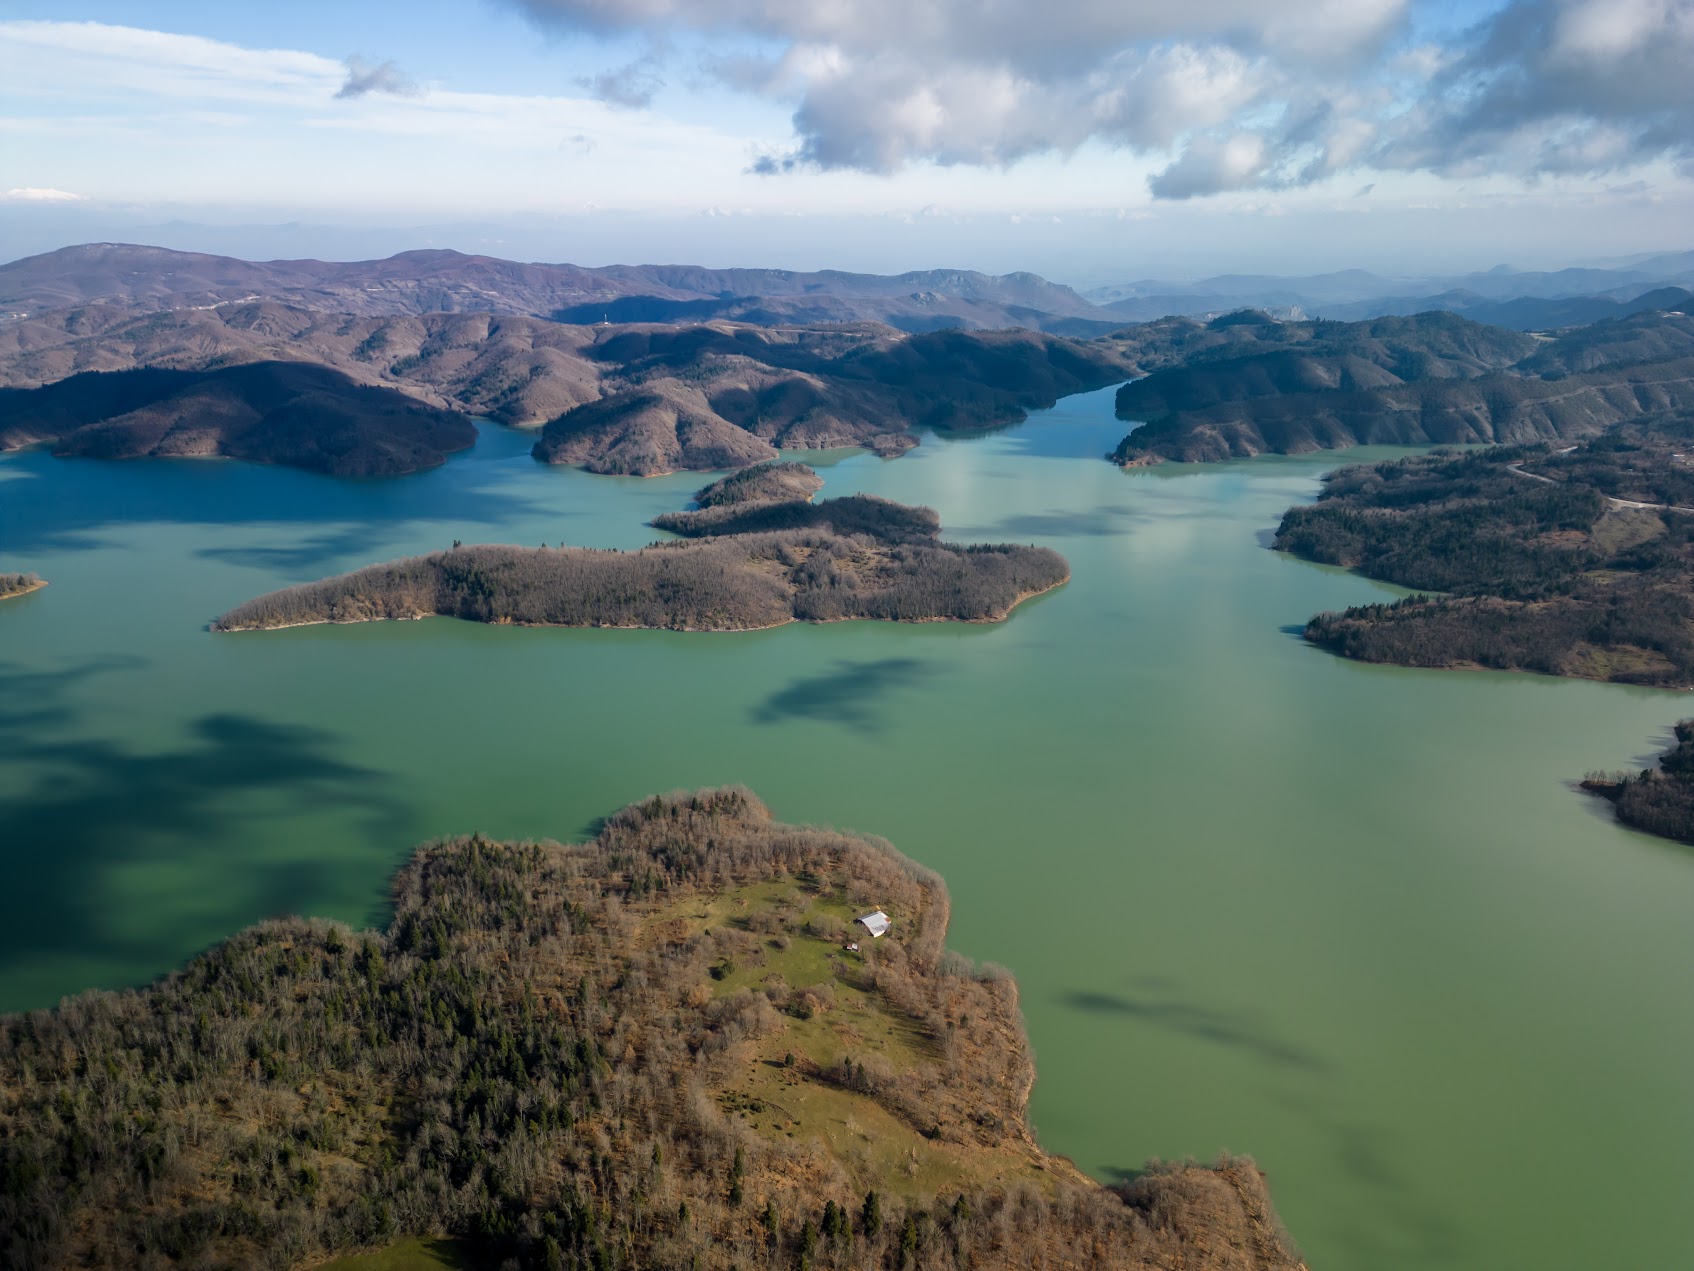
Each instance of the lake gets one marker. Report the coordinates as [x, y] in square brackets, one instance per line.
[1353, 920]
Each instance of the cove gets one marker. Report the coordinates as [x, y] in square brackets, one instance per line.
[1351, 919]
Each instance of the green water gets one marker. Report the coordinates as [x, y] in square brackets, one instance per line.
[1350, 919]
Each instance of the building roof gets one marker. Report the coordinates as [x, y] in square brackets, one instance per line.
[877, 924]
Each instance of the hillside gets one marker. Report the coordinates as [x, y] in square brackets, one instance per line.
[762, 483]
[290, 413]
[635, 399]
[716, 396]
[1432, 379]
[1571, 563]
[519, 371]
[654, 1049]
[419, 282]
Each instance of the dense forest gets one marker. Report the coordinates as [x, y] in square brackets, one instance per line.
[1433, 379]
[653, 1050]
[1543, 569]
[291, 413]
[1660, 801]
[19, 584]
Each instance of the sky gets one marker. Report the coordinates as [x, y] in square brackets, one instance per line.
[1094, 141]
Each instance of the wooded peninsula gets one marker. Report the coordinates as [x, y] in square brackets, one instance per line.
[1658, 800]
[656, 1049]
[1573, 562]
[20, 585]
[1246, 384]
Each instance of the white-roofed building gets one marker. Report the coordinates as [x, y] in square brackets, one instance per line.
[877, 924]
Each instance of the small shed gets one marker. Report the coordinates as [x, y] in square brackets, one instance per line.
[877, 924]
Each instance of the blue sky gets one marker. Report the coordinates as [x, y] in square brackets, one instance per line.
[1086, 140]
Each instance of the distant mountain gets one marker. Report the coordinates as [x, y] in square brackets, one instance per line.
[420, 282]
[288, 413]
[1501, 296]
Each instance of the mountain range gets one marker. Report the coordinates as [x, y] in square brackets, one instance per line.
[441, 281]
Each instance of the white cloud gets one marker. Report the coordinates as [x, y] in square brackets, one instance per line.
[38, 194]
[1241, 94]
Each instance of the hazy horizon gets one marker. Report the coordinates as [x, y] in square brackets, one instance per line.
[1075, 251]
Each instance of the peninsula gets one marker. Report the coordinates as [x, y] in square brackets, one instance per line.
[658, 1048]
[1246, 385]
[20, 585]
[284, 412]
[1572, 562]
[1658, 800]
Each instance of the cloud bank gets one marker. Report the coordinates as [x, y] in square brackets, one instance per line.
[1232, 95]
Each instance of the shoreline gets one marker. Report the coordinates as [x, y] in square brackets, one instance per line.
[27, 589]
[992, 620]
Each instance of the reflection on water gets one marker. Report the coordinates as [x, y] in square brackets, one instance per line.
[1348, 918]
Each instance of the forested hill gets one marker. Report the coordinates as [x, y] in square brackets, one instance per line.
[634, 1053]
[290, 413]
[1574, 562]
[714, 396]
[1432, 379]
[635, 399]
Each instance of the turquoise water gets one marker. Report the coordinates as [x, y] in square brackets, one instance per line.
[1350, 919]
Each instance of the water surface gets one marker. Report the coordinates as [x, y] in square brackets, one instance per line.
[1350, 919]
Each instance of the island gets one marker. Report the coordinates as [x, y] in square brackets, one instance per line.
[761, 483]
[769, 497]
[20, 585]
[748, 565]
[676, 1045]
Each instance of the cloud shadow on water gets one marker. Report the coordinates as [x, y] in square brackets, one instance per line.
[310, 553]
[95, 805]
[849, 696]
[1203, 1023]
[54, 504]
